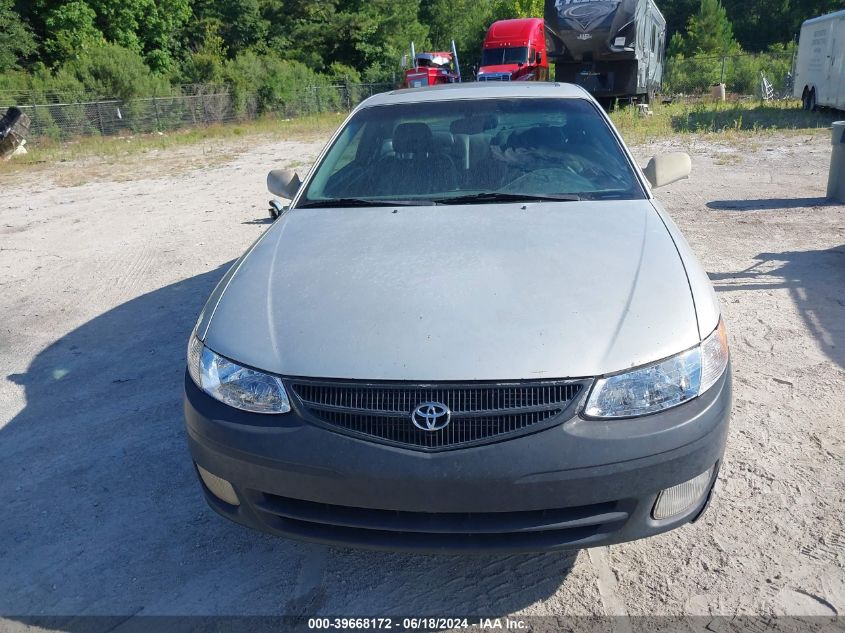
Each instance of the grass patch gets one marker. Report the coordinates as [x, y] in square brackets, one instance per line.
[728, 121]
[44, 151]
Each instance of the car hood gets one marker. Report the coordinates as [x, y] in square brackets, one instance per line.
[471, 292]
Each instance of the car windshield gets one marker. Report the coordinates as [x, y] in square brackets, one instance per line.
[471, 151]
[507, 55]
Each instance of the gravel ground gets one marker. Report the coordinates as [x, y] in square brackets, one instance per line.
[100, 284]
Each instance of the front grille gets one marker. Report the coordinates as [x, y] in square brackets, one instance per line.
[496, 77]
[479, 412]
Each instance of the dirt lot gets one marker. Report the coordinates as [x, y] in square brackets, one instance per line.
[100, 284]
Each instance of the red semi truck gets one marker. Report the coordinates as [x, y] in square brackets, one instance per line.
[515, 50]
[430, 69]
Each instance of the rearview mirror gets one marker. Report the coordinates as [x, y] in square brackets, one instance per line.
[284, 183]
[664, 169]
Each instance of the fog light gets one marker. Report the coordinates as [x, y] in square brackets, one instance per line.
[219, 487]
[677, 499]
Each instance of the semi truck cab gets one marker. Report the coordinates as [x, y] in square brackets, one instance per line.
[430, 69]
[514, 50]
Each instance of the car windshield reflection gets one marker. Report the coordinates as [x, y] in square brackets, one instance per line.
[443, 150]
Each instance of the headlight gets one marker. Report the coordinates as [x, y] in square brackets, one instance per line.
[662, 385]
[239, 387]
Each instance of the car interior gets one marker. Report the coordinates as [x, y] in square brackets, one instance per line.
[435, 156]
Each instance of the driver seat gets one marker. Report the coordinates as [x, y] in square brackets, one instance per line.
[417, 165]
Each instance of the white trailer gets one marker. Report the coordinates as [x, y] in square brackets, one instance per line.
[820, 67]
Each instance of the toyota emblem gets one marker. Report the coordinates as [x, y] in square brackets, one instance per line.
[431, 416]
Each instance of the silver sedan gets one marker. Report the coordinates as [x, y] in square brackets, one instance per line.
[473, 328]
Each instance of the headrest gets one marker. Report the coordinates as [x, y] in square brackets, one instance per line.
[413, 138]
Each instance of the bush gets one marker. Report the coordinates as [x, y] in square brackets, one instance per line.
[691, 75]
[111, 71]
[14, 81]
[267, 84]
[695, 75]
[109, 88]
[61, 85]
[244, 75]
[206, 64]
[341, 74]
[291, 88]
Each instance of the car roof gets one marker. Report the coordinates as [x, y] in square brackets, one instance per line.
[479, 90]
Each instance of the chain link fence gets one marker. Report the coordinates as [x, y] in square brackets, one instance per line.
[742, 74]
[65, 115]
[62, 116]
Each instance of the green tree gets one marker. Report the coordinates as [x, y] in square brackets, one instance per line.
[147, 27]
[110, 70]
[158, 29]
[206, 63]
[16, 38]
[677, 46]
[314, 32]
[759, 24]
[243, 26]
[525, 8]
[387, 28]
[710, 32]
[465, 21]
[677, 14]
[72, 31]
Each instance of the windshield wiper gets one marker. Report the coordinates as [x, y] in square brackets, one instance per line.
[363, 202]
[502, 196]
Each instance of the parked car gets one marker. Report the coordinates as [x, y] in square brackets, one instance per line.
[474, 328]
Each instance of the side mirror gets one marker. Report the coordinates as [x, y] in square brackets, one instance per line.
[284, 183]
[664, 169]
[539, 58]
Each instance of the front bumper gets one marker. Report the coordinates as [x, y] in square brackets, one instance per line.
[581, 483]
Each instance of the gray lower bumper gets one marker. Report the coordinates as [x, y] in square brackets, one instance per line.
[581, 483]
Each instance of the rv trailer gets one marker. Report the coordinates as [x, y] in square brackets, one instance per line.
[615, 49]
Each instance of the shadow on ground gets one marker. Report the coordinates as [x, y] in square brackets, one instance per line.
[102, 514]
[770, 204]
[267, 220]
[816, 283]
[749, 116]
